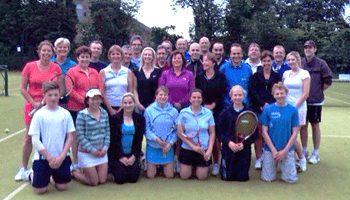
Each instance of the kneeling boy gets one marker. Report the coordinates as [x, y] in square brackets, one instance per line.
[51, 129]
[280, 127]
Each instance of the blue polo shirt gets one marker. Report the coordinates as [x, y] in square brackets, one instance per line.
[204, 118]
[238, 75]
[64, 66]
[280, 121]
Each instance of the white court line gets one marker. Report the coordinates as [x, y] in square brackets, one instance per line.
[16, 191]
[338, 100]
[339, 93]
[11, 135]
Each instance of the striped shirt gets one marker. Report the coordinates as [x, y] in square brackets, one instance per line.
[92, 134]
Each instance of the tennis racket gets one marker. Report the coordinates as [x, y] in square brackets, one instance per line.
[246, 124]
[163, 125]
[190, 127]
[66, 86]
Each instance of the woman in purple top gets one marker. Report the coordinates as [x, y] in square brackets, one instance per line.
[178, 80]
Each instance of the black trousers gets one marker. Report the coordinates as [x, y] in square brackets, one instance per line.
[126, 174]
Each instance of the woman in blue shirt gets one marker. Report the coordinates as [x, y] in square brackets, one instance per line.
[192, 155]
[159, 149]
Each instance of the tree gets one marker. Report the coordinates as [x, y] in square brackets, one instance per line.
[48, 20]
[208, 20]
[113, 19]
[26, 23]
[159, 34]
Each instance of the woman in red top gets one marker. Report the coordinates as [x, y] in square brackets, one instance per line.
[84, 78]
[32, 76]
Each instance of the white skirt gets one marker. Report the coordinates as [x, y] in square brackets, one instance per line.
[86, 160]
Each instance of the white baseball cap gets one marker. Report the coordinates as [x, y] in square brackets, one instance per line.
[92, 92]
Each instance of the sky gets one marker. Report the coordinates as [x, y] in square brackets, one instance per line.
[159, 13]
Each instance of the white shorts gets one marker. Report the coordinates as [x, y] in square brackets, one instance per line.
[88, 160]
[287, 165]
[302, 117]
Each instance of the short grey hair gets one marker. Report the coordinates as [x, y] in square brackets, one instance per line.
[64, 40]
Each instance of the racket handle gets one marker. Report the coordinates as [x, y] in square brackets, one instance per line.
[31, 113]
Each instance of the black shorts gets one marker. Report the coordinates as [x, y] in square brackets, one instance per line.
[42, 172]
[313, 114]
[192, 158]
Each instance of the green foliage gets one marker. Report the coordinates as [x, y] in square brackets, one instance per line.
[291, 23]
[208, 20]
[88, 33]
[159, 34]
[26, 23]
[113, 19]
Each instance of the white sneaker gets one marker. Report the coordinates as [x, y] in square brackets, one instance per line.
[74, 167]
[216, 169]
[314, 159]
[27, 174]
[20, 174]
[258, 164]
[306, 154]
[302, 164]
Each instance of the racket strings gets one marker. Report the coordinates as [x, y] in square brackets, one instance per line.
[163, 125]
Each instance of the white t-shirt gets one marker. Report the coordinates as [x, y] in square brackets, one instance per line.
[116, 84]
[295, 87]
[53, 126]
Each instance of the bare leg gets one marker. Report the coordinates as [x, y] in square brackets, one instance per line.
[58, 186]
[89, 176]
[185, 171]
[304, 135]
[26, 148]
[102, 171]
[216, 151]
[258, 143]
[298, 148]
[201, 173]
[40, 190]
[152, 170]
[168, 170]
[316, 134]
[75, 148]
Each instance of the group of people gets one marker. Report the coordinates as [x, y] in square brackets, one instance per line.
[113, 107]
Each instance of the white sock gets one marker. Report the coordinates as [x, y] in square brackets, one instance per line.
[315, 152]
[305, 150]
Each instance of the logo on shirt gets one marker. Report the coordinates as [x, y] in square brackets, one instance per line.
[184, 79]
[275, 115]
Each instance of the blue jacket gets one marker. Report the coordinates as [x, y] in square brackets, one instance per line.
[151, 112]
[284, 67]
